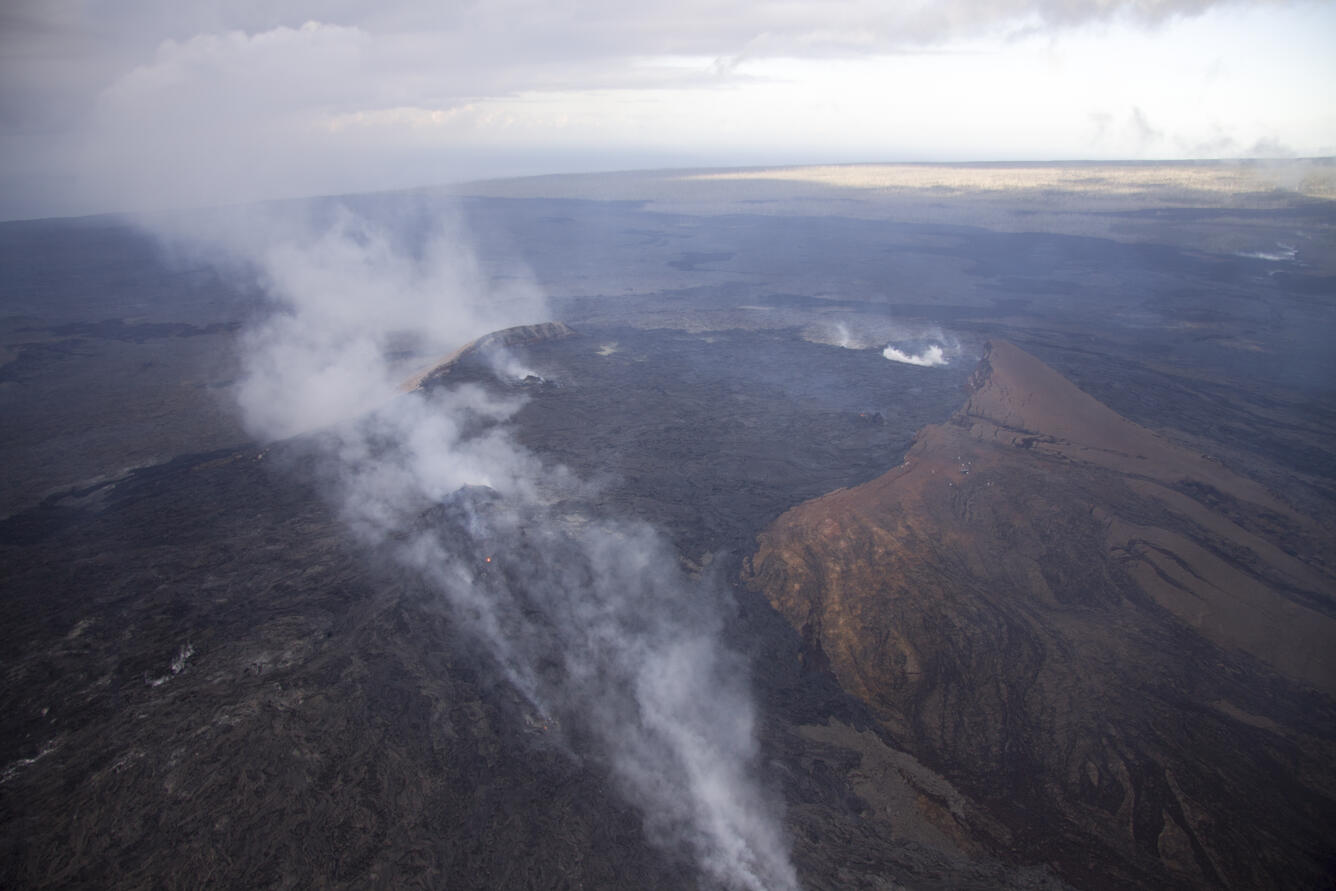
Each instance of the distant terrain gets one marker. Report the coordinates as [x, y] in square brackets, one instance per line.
[1042, 596]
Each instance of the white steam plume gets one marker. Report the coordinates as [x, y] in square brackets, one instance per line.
[591, 619]
[931, 356]
[905, 342]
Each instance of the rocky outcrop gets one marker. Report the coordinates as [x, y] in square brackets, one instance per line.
[487, 346]
[1124, 649]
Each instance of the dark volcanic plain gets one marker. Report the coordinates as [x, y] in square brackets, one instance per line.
[1058, 618]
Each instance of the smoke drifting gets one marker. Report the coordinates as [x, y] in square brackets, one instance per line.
[590, 618]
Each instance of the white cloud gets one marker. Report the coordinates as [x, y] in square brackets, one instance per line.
[141, 103]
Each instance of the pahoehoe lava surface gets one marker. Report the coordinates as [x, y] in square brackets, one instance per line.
[1121, 647]
[242, 695]
[1055, 645]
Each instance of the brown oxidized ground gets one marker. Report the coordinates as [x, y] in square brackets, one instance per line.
[1110, 640]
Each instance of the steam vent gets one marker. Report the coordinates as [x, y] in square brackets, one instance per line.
[1106, 638]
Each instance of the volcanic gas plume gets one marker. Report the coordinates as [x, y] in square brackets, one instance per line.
[589, 618]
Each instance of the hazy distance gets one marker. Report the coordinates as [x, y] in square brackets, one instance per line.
[111, 107]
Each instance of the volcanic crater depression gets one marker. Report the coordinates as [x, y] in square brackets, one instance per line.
[711, 436]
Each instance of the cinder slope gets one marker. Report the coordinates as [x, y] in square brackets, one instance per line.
[1124, 647]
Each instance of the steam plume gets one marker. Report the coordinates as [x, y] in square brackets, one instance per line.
[932, 355]
[592, 621]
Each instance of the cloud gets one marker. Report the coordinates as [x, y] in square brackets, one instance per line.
[1271, 148]
[1218, 144]
[1143, 134]
[150, 103]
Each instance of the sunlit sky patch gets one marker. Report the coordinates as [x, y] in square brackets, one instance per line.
[141, 104]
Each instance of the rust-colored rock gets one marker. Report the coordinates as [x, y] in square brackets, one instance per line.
[1123, 647]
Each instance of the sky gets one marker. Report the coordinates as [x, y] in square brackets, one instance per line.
[113, 105]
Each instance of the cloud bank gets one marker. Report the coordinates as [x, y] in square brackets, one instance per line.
[147, 104]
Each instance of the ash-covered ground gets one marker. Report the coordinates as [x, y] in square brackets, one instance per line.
[224, 667]
[245, 688]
